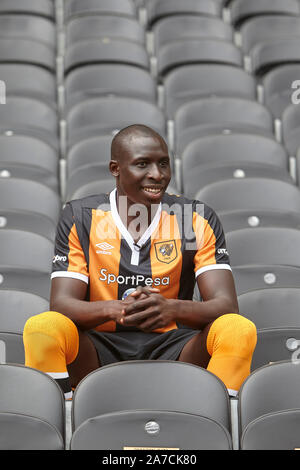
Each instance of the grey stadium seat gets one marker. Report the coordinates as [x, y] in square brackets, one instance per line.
[32, 410]
[25, 264]
[109, 79]
[31, 7]
[31, 117]
[94, 150]
[106, 51]
[177, 27]
[95, 187]
[144, 391]
[26, 157]
[269, 408]
[16, 308]
[246, 218]
[266, 56]
[25, 279]
[27, 51]
[87, 174]
[94, 7]
[264, 245]
[252, 194]
[252, 277]
[97, 116]
[29, 196]
[160, 9]
[277, 87]
[242, 10]
[198, 81]
[28, 27]
[29, 80]
[268, 28]
[26, 250]
[191, 51]
[275, 345]
[219, 114]
[275, 312]
[290, 128]
[30, 221]
[298, 166]
[107, 26]
[264, 257]
[274, 307]
[215, 157]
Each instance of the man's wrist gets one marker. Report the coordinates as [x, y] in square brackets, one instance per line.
[175, 306]
[112, 310]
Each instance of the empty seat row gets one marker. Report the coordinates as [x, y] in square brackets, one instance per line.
[139, 409]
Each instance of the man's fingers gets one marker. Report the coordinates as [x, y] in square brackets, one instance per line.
[138, 305]
[144, 290]
[136, 318]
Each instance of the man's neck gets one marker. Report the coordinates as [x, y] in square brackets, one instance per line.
[135, 217]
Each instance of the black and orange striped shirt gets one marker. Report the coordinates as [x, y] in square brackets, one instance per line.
[184, 240]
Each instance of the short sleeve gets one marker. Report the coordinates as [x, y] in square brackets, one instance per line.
[69, 259]
[211, 245]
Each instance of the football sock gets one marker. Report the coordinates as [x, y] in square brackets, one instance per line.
[51, 342]
[230, 342]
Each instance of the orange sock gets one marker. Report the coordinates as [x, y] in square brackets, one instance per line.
[51, 342]
[230, 342]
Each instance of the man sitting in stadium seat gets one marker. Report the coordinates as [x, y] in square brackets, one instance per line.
[123, 277]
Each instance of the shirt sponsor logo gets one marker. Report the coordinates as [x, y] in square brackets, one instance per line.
[135, 279]
[128, 292]
[58, 258]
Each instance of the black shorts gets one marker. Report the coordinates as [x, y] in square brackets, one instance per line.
[135, 345]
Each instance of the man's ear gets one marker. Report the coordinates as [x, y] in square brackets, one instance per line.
[114, 167]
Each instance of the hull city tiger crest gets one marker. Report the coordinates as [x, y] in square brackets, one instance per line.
[166, 252]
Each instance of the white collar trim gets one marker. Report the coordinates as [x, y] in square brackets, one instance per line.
[135, 247]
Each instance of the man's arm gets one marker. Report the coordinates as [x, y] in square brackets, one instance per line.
[68, 297]
[218, 294]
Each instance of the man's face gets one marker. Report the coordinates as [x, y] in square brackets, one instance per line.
[143, 170]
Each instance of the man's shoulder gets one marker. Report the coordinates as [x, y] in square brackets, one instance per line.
[90, 202]
[190, 205]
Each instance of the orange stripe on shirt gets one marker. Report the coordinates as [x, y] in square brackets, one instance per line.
[77, 261]
[105, 242]
[206, 242]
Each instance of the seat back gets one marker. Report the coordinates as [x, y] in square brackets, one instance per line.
[32, 410]
[265, 394]
[264, 245]
[16, 308]
[118, 399]
[276, 307]
[251, 194]
[150, 385]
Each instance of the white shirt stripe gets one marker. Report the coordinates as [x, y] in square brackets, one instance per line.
[125, 233]
[81, 277]
[211, 267]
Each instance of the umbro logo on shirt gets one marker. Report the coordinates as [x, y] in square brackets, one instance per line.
[104, 248]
